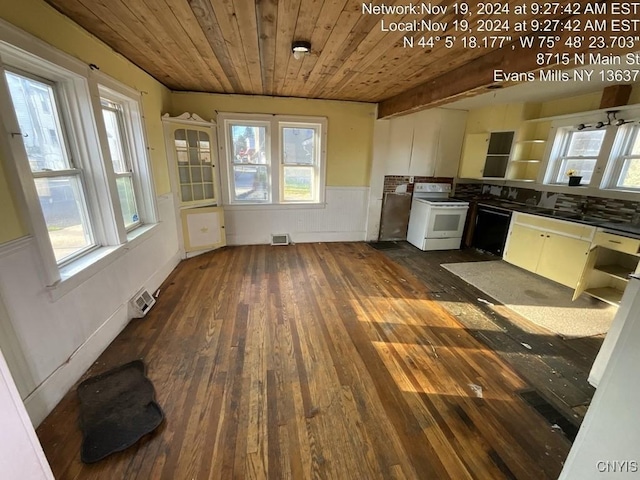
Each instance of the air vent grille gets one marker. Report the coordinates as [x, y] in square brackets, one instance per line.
[141, 303]
[280, 239]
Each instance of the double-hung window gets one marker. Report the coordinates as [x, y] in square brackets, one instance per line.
[578, 152]
[624, 167]
[300, 162]
[273, 159]
[58, 179]
[78, 152]
[119, 150]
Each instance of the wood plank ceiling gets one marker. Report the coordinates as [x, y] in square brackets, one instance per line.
[244, 47]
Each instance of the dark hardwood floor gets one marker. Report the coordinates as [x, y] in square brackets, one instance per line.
[315, 361]
[556, 368]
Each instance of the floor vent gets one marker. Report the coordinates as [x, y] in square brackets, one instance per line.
[550, 413]
[141, 303]
[280, 239]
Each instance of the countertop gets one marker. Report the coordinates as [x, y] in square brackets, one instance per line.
[617, 227]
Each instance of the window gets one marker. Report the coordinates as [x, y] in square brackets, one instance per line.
[578, 151]
[625, 168]
[121, 160]
[80, 159]
[273, 159]
[58, 181]
[299, 162]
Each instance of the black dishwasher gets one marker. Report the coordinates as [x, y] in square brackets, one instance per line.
[492, 227]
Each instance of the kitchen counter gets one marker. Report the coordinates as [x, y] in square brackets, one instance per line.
[617, 227]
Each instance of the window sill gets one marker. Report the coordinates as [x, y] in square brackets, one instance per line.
[85, 267]
[275, 206]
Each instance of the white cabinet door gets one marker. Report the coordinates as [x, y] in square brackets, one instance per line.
[203, 228]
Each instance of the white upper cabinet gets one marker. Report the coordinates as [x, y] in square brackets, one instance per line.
[426, 143]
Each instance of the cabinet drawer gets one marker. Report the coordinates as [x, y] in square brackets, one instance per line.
[572, 229]
[617, 242]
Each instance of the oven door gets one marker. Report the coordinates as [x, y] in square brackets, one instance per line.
[446, 221]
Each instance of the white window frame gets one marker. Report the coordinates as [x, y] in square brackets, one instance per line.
[79, 101]
[131, 102]
[317, 161]
[76, 168]
[274, 150]
[559, 150]
[619, 154]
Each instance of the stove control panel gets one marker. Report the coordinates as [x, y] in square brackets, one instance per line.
[432, 188]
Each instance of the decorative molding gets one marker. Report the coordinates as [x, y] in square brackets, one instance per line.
[187, 117]
[13, 246]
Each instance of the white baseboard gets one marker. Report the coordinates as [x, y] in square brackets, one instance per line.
[44, 398]
[49, 393]
[302, 237]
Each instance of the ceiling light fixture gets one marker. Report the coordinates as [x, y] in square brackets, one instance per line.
[300, 49]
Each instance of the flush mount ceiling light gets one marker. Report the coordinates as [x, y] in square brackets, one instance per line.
[300, 49]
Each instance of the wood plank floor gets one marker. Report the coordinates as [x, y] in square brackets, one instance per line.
[557, 368]
[313, 361]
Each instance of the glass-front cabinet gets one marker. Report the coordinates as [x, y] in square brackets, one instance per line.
[192, 153]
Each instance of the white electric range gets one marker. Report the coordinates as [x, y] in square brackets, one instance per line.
[436, 221]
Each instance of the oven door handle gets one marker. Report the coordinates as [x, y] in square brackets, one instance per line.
[493, 212]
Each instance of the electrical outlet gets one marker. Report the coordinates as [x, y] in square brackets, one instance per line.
[410, 179]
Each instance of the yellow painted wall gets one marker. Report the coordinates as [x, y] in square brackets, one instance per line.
[41, 20]
[350, 126]
[496, 118]
[577, 104]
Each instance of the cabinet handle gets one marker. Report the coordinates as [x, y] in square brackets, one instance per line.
[615, 241]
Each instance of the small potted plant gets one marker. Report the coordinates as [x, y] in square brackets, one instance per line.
[574, 178]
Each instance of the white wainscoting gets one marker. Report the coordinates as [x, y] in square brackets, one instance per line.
[60, 336]
[342, 219]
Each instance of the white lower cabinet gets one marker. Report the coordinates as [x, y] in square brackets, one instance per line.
[554, 249]
[611, 260]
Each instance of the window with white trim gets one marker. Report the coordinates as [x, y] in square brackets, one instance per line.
[120, 152]
[78, 150]
[273, 159]
[578, 153]
[624, 168]
[58, 179]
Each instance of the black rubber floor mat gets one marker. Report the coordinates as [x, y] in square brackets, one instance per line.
[117, 408]
[548, 411]
[385, 245]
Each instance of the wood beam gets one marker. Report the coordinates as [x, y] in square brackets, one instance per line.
[615, 96]
[475, 76]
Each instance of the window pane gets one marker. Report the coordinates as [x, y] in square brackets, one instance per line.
[203, 143]
[635, 145]
[298, 184]
[251, 183]
[298, 145]
[35, 106]
[127, 201]
[193, 153]
[582, 167]
[116, 141]
[62, 203]
[586, 143]
[249, 144]
[630, 175]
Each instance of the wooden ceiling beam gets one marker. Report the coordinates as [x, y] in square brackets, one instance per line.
[475, 76]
